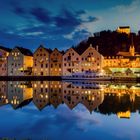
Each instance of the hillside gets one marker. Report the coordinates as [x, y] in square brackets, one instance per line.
[110, 43]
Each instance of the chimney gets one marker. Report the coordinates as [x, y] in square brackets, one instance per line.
[97, 48]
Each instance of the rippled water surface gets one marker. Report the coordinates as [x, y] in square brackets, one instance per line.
[82, 110]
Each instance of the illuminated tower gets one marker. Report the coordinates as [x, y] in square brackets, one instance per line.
[132, 48]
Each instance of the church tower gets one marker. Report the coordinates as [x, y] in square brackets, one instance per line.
[132, 48]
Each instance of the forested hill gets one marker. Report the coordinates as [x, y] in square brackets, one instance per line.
[109, 43]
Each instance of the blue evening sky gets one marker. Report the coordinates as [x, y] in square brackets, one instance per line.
[62, 23]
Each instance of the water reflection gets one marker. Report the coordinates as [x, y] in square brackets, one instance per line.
[105, 98]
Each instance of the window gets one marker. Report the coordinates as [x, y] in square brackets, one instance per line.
[41, 89]
[41, 65]
[46, 65]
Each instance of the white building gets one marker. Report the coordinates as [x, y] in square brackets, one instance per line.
[20, 62]
[4, 52]
[19, 93]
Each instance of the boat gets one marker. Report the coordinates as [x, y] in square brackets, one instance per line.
[87, 75]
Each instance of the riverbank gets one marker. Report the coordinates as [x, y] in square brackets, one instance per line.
[59, 78]
[30, 78]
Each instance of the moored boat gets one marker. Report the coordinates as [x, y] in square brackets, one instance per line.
[88, 76]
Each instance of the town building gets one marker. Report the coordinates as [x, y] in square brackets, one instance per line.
[91, 60]
[3, 93]
[19, 93]
[41, 61]
[4, 52]
[56, 63]
[124, 29]
[41, 94]
[71, 62]
[91, 98]
[125, 115]
[71, 95]
[124, 61]
[56, 93]
[20, 62]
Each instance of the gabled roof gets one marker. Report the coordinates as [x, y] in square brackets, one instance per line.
[25, 51]
[72, 49]
[57, 51]
[42, 46]
[5, 49]
[81, 50]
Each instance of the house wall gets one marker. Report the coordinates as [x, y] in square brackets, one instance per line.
[41, 62]
[15, 63]
[91, 60]
[56, 63]
[71, 62]
[3, 62]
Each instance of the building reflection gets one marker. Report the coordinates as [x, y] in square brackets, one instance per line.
[90, 97]
[105, 98]
[41, 94]
[3, 93]
[56, 93]
[121, 99]
[19, 93]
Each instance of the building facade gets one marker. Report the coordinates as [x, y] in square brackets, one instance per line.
[124, 29]
[91, 60]
[4, 52]
[71, 62]
[56, 63]
[41, 94]
[123, 61]
[20, 62]
[41, 62]
[19, 93]
[3, 93]
[56, 93]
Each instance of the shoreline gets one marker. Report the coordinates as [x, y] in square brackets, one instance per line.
[59, 78]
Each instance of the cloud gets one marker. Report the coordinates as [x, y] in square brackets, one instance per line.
[92, 19]
[42, 15]
[77, 34]
[67, 19]
[66, 23]
[32, 34]
[80, 12]
[39, 22]
[132, 7]
[19, 11]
